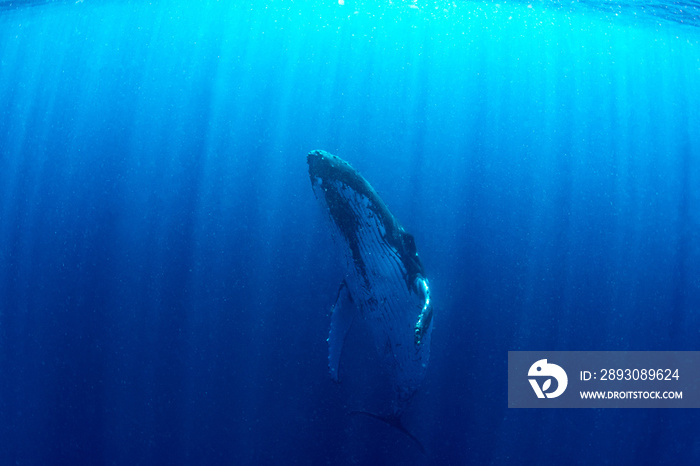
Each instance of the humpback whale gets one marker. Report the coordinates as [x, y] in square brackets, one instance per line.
[384, 280]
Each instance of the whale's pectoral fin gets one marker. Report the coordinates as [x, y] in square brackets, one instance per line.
[425, 317]
[342, 315]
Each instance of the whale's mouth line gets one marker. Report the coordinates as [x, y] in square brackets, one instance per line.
[346, 219]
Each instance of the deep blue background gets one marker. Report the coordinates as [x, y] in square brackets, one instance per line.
[166, 274]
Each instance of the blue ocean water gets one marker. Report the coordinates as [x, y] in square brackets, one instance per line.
[166, 274]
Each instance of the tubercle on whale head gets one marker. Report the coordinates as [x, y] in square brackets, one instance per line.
[323, 164]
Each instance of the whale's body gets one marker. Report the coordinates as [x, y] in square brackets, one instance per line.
[384, 281]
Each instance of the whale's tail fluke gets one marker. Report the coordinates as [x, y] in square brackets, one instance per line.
[395, 422]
